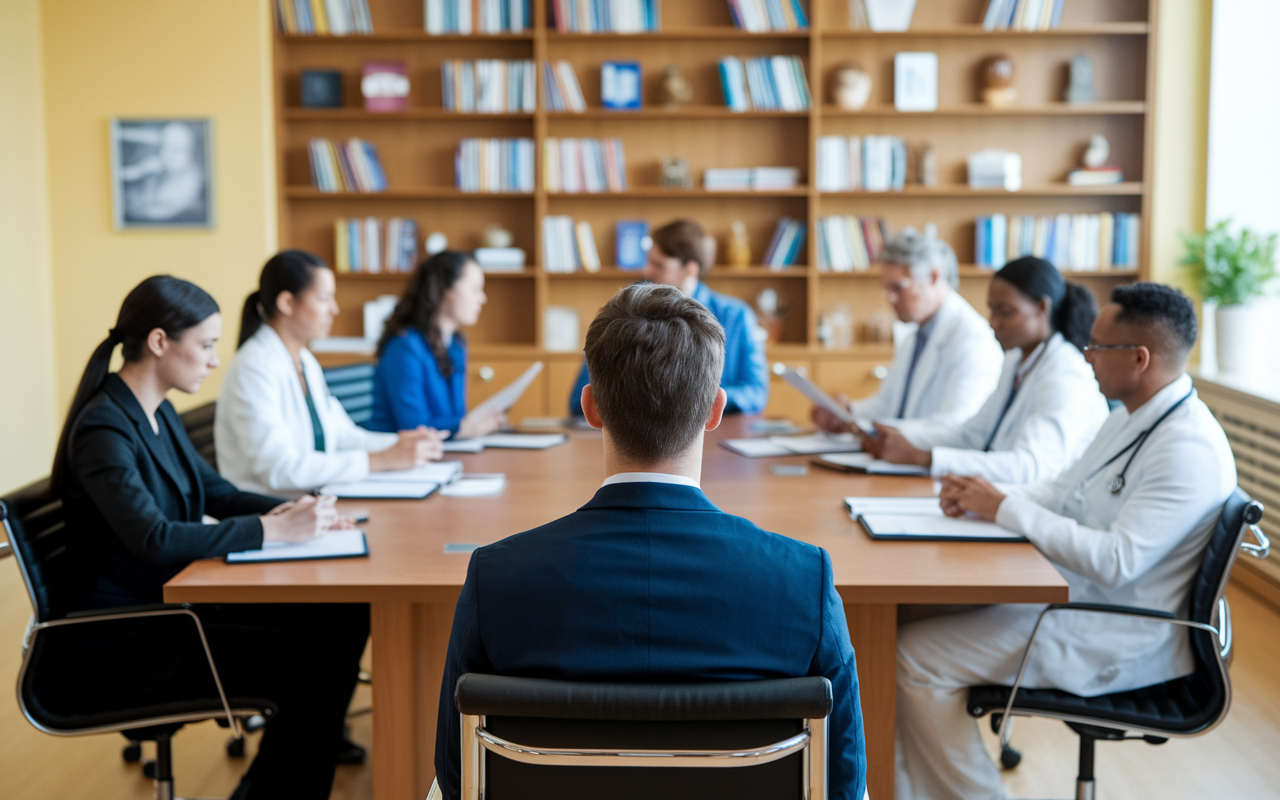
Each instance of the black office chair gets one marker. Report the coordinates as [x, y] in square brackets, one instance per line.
[199, 424]
[353, 386]
[1186, 706]
[533, 738]
[52, 563]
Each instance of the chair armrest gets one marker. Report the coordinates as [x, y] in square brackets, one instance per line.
[127, 610]
[6, 549]
[1107, 608]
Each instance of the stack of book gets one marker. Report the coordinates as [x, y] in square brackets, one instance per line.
[605, 16]
[846, 244]
[768, 15]
[583, 165]
[563, 92]
[568, 246]
[741, 179]
[765, 83]
[374, 245]
[1022, 15]
[1095, 176]
[334, 17]
[477, 16]
[352, 166]
[494, 165]
[784, 247]
[861, 163]
[489, 86]
[1081, 242]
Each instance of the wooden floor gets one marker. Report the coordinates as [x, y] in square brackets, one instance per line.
[1237, 760]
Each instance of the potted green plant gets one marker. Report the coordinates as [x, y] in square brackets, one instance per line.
[1232, 271]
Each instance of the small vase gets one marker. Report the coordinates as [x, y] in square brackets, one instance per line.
[1239, 330]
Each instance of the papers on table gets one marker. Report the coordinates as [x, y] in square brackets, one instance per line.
[464, 445]
[515, 441]
[921, 519]
[793, 445]
[864, 462]
[507, 396]
[332, 544]
[381, 490]
[480, 484]
[927, 506]
[441, 472]
[810, 390]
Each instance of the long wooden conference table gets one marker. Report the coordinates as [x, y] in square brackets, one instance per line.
[412, 584]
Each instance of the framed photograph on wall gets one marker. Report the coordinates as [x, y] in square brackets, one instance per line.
[162, 173]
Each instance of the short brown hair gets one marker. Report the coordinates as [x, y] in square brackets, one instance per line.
[655, 356]
[683, 239]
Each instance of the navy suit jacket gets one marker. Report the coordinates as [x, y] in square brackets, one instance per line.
[652, 582]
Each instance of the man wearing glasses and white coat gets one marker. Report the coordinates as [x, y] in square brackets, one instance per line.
[947, 367]
[1126, 525]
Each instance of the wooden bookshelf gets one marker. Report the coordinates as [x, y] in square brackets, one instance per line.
[417, 148]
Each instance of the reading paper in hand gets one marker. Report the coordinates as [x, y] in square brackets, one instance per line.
[810, 390]
[507, 396]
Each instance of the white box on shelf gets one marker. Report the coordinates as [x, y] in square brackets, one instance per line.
[993, 168]
[915, 81]
[500, 259]
[560, 329]
[376, 313]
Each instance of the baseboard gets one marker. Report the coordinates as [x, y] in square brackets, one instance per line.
[1257, 579]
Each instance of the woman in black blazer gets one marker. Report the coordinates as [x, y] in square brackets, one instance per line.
[136, 491]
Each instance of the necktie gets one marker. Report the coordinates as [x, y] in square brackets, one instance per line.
[921, 339]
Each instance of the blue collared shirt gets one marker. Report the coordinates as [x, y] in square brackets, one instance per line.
[408, 389]
[746, 375]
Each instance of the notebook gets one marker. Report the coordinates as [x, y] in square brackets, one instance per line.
[934, 527]
[865, 463]
[381, 490]
[441, 472]
[793, 445]
[331, 544]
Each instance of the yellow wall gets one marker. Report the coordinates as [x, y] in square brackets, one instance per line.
[27, 395]
[154, 58]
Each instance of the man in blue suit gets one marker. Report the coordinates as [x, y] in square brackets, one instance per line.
[680, 257]
[649, 580]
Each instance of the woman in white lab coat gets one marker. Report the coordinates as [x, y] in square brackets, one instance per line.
[1046, 408]
[277, 428]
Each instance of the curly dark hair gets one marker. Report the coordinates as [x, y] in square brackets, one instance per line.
[420, 304]
[1163, 307]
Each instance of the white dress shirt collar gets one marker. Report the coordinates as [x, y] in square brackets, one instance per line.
[650, 477]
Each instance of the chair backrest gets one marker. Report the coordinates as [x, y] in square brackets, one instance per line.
[199, 425]
[50, 557]
[736, 716]
[353, 386]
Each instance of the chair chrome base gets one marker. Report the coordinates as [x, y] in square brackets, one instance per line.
[1084, 790]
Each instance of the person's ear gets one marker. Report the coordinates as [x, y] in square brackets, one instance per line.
[1141, 358]
[157, 342]
[285, 303]
[589, 409]
[717, 410]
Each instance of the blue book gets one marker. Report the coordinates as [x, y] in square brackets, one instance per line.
[980, 242]
[801, 20]
[620, 84]
[776, 20]
[631, 238]
[375, 166]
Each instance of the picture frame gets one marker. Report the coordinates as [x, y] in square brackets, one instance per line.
[162, 173]
[620, 85]
[915, 81]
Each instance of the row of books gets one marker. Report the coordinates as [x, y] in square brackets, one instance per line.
[375, 245]
[765, 83]
[768, 15]
[334, 17]
[583, 165]
[563, 91]
[568, 246]
[861, 163]
[489, 86]
[477, 16]
[494, 165]
[605, 16]
[784, 247]
[742, 179]
[848, 244]
[1080, 242]
[1022, 15]
[350, 166]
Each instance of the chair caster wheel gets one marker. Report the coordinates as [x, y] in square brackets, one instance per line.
[149, 769]
[132, 753]
[235, 747]
[1009, 758]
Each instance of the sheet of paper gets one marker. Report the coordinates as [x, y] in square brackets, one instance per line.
[333, 544]
[817, 443]
[810, 390]
[381, 490]
[507, 396]
[478, 484]
[755, 448]
[926, 526]
[927, 506]
[872, 466]
[441, 472]
[463, 445]
[524, 441]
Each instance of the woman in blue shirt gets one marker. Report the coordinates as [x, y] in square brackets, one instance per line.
[421, 377]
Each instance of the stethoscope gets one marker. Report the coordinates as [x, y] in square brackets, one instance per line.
[1116, 485]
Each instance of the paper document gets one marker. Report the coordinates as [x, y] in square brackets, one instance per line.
[507, 396]
[793, 445]
[927, 506]
[435, 472]
[478, 484]
[934, 527]
[463, 445]
[755, 448]
[864, 462]
[381, 490]
[810, 390]
[331, 544]
[524, 441]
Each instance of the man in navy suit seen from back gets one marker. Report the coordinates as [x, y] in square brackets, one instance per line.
[649, 580]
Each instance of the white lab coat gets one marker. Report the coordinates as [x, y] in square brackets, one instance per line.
[1053, 418]
[1140, 547]
[957, 370]
[262, 429]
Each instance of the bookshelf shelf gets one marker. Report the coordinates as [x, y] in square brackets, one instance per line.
[683, 194]
[720, 272]
[676, 33]
[1117, 107]
[412, 114]
[406, 35]
[960, 190]
[974, 271]
[683, 112]
[977, 31]
[397, 277]
[425, 193]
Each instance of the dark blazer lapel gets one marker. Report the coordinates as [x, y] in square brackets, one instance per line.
[123, 396]
[186, 452]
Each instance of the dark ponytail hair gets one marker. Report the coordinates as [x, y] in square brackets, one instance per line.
[1072, 307]
[161, 301]
[289, 271]
[420, 304]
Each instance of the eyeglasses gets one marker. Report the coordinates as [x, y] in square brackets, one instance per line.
[894, 289]
[1094, 348]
